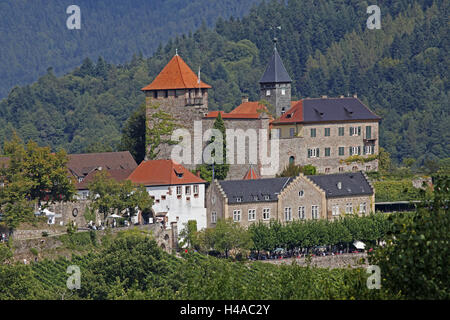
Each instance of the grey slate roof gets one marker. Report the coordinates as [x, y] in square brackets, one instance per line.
[352, 184]
[248, 189]
[275, 71]
[336, 109]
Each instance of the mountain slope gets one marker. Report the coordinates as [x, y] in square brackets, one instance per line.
[34, 35]
[400, 71]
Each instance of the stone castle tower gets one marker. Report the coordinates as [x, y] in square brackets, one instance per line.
[275, 85]
[179, 92]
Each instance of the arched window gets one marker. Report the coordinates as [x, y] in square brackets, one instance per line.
[291, 160]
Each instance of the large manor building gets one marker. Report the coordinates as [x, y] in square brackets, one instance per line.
[325, 132]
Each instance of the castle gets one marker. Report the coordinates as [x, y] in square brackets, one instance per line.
[335, 135]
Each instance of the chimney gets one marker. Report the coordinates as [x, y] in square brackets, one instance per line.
[244, 99]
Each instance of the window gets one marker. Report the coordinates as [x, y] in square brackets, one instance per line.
[341, 131]
[355, 150]
[341, 169]
[288, 214]
[355, 168]
[163, 197]
[348, 207]
[367, 168]
[266, 213]
[335, 210]
[292, 132]
[313, 133]
[355, 131]
[315, 212]
[213, 217]
[301, 193]
[313, 153]
[283, 92]
[267, 93]
[187, 190]
[196, 189]
[236, 215]
[301, 213]
[327, 170]
[327, 152]
[84, 195]
[369, 149]
[238, 199]
[327, 132]
[251, 214]
[362, 207]
[368, 132]
[341, 151]
[179, 191]
[266, 197]
[255, 198]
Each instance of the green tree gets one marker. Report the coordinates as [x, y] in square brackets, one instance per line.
[109, 196]
[221, 167]
[34, 174]
[160, 126]
[189, 235]
[133, 134]
[415, 259]
[228, 235]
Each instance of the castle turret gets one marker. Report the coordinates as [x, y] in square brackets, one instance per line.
[179, 92]
[275, 85]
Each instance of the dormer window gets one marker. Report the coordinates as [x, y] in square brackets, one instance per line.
[238, 199]
[179, 174]
[255, 198]
[267, 198]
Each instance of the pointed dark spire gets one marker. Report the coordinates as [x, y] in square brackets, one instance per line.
[275, 71]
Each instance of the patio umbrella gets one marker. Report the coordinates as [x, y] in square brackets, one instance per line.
[359, 245]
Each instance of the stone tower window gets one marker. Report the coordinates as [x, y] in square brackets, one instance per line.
[268, 93]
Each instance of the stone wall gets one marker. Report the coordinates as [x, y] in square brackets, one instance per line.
[312, 195]
[355, 202]
[298, 146]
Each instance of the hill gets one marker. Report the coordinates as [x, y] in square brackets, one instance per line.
[35, 35]
[400, 71]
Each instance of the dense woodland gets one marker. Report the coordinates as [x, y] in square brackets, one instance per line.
[34, 35]
[399, 71]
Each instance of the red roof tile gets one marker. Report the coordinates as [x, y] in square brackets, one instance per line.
[293, 115]
[163, 172]
[249, 107]
[246, 110]
[176, 75]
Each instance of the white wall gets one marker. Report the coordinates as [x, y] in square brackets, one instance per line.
[181, 208]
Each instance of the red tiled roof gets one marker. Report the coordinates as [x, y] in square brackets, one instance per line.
[246, 110]
[293, 115]
[251, 174]
[176, 75]
[116, 174]
[249, 107]
[163, 172]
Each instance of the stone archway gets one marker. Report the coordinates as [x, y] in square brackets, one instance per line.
[147, 216]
